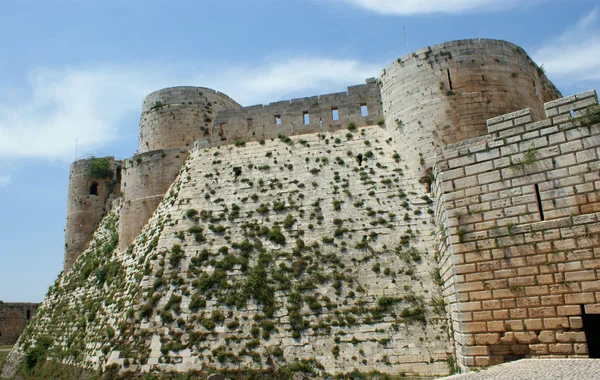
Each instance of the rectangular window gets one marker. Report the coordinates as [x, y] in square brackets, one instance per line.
[364, 111]
[306, 117]
[335, 114]
[277, 119]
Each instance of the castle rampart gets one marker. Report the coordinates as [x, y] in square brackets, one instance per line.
[520, 239]
[88, 200]
[13, 319]
[443, 94]
[146, 178]
[361, 105]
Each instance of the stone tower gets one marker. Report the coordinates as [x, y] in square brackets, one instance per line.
[90, 196]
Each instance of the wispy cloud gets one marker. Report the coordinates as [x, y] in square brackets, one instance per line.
[420, 7]
[90, 104]
[574, 55]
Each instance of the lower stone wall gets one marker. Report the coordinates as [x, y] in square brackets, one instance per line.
[13, 319]
[519, 235]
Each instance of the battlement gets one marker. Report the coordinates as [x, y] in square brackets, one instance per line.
[360, 104]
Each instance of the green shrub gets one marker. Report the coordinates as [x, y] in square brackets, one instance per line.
[351, 126]
[99, 168]
[276, 236]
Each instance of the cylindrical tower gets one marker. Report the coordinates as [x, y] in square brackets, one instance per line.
[146, 178]
[443, 94]
[176, 117]
[93, 183]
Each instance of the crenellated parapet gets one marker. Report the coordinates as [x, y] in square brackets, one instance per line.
[360, 104]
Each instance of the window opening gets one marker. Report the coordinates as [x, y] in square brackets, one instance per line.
[320, 123]
[483, 77]
[237, 171]
[591, 327]
[572, 113]
[306, 117]
[359, 158]
[277, 119]
[335, 114]
[222, 131]
[118, 174]
[249, 123]
[28, 316]
[364, 111]
[449, 79]
[94, 188]
[539, 201]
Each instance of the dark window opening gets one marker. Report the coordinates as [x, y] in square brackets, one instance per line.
[483, 77]
[28, 315]
[277, 119]
[591, 327]
[364, 111]
[449, 79]
[94, 188]
[237, 171]
[539, 201]
[118, 174]
[335, 115]
[306, 117]
[222, 131]
[359, 158]
[320, 123]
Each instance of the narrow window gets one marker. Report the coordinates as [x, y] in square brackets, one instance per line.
[364, 111]
[306, 117]
[539, 201]
[359, 158]
[28, 316]
[94, 188]
[572, 113]
[449, 79]
[222, 131]
[483, 77]
[335, 114]
[249, 123]
[277, 119]
[591, 328]
[118, 174]
[320, 123]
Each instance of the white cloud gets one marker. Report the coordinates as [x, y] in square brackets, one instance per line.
[89, 104]
[574, 55]
[5, 180]
[416, 7]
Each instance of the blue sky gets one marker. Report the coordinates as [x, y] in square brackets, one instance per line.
[79, 69]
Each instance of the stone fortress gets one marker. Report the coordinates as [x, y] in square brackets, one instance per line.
[443, 215]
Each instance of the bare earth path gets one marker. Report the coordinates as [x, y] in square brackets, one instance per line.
[538, 369]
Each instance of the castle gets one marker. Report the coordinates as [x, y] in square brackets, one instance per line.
[442, 215]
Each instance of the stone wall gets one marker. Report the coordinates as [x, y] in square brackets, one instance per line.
[259, 122]
[443, 94]
[145, 179]
[520, 242]
[84, 209]
[13, 319]
[176, 117]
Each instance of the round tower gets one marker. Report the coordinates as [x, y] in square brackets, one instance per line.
[171, 122]
[93, 183]
[444, 94]
[176, 117]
